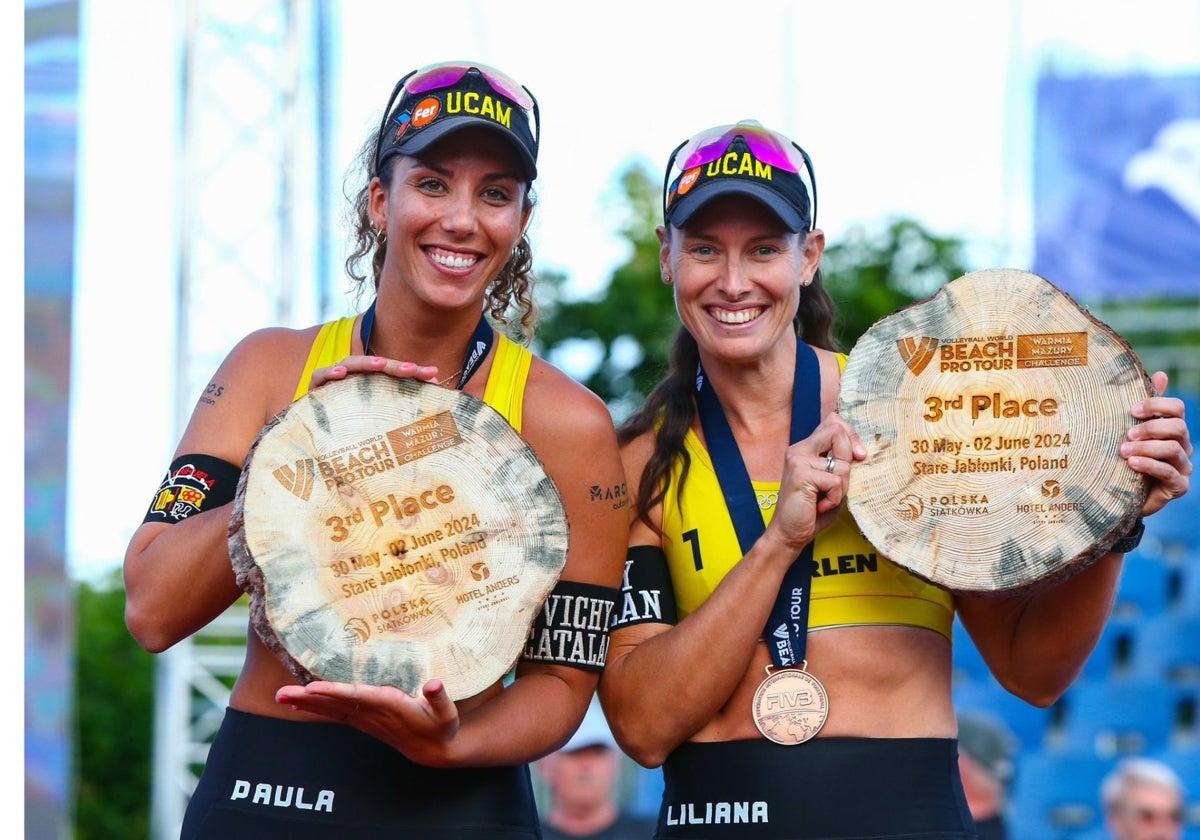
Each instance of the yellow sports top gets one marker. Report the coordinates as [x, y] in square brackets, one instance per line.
[852, 584]
[505, 389]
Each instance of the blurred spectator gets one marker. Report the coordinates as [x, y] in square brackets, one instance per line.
[582, 782]
[985, 761]
[1143, 800]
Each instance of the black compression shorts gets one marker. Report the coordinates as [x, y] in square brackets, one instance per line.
[267, 778]
[825, 789]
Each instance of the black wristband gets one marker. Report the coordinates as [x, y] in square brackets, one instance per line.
[571, 628]
[1131, 540]
[194, 483]
[647, 594]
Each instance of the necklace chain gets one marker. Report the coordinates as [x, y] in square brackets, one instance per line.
[442, 383]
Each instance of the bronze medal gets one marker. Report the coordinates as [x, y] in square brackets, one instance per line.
[790, 706]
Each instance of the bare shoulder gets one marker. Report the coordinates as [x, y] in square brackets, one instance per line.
[273, 359]
[572, 432]
[254, 383]
[271, 347]
[635, 452]
[559, 406]
[831, 378]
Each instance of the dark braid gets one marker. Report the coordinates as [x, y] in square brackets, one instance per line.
[816, 316]
[670, 401]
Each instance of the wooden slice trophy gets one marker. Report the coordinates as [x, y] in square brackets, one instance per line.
[992, 414]
[390, 531]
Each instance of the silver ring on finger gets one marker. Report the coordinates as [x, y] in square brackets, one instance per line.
[830, 463]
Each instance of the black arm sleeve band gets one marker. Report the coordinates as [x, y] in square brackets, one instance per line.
[195, 483]
[1131, 540]
[572, 627]
[646, 593]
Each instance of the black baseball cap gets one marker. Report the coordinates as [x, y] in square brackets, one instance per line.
[434, 101]
[740, 159]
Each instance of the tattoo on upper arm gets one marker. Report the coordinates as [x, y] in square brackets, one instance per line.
[617, 495]
[212, 393]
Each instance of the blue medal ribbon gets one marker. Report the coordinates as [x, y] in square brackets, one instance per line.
[787, 625]
[477, 350]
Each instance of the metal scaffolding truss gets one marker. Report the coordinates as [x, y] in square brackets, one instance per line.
[252, 253]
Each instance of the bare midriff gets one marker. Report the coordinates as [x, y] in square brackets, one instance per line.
[882, 682]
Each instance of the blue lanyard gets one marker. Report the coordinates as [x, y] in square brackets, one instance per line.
[477, 350]
[787, 625]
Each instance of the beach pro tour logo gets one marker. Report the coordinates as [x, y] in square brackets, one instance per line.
[917, 353]
[298, 479]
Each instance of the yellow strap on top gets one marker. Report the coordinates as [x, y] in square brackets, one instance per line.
[852, 584]
[505, 389]
[333, 343]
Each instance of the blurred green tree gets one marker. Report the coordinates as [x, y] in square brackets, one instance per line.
[624, 331]
[616, 342]
[871, 273]
[114, 710]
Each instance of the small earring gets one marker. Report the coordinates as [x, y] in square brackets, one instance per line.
[380, 235]
[667, 277]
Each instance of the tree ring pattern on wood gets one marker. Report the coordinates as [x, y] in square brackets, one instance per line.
[389, 532]
[992, 413]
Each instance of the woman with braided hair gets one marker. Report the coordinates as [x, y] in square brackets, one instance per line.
[791, 682]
